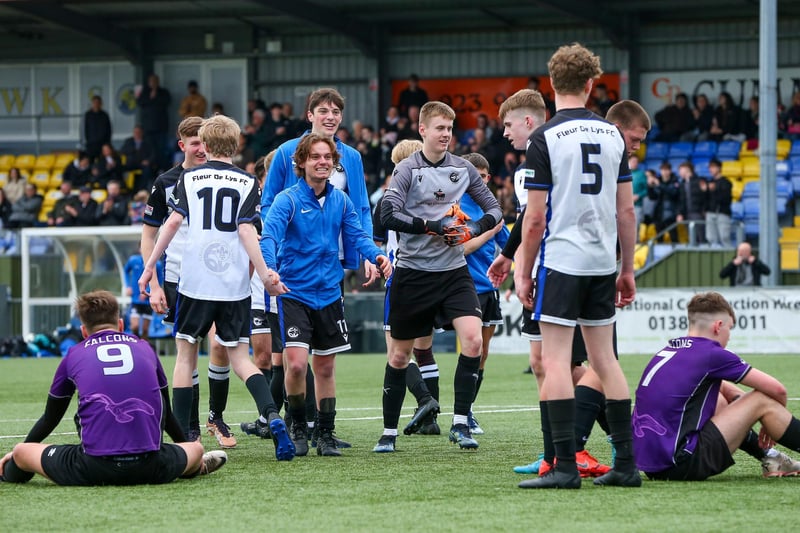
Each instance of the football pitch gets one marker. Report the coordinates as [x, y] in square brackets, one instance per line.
[427, 485]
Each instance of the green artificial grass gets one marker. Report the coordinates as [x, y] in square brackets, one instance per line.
[427, 485]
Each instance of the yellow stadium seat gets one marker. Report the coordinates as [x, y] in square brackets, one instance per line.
[7, 161]
[3, 178]
[25, 161]
[62, 160]
[40, 178]
[45, 162]
[783, 148]
[25, 173]
[99, 195]
[790, 257]
[751, 167]
[737, 186]
[747, 151]
[52, 196]
[56, 178]
[731, 169]
[640, 256]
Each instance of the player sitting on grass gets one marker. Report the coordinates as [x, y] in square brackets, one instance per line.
[682, 431]
[123, 404]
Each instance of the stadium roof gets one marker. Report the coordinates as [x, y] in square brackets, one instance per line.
[123, 23]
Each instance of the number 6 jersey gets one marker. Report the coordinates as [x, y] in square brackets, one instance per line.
[578, 158]
[215, 197]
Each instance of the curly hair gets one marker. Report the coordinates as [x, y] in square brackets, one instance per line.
[571, 66]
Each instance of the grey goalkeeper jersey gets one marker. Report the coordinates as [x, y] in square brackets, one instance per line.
[424, 190]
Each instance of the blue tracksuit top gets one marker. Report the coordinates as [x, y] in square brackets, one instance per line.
[301, 241]
[481, 259]
[133, 271]
[281, 176]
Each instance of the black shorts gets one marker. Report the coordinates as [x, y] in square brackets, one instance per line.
[416, 298]
[142, 310]
[275, 327]
[258, 322]
[530, 327]
[195, 317]
[321, 331]
[490, 308]
[570, 300]
[171, 295]
[711, 457]
[579, 354]
[67, 464]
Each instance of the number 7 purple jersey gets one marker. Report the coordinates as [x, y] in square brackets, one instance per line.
[119, 380]
[677, 395]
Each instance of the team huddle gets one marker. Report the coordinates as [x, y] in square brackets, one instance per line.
[265, 257]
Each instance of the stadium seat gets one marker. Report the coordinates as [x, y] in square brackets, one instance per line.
[705, 149]
[7, 161]
[680, 150]
[795, 149]
[751, 189]
[731, 169]
[751, 208]
[62, 160]
[3, 178]
[737, 186]
[728, 150]
[657, 150]
[790, 257]
[40, 178]
[751, 167]
[44, 162]
[781, 202]
[640, 256]
[676, 162]
[652, 164]
[782, 147]
[701, 168]
[784, 188]
[748, 149]
[56, 177]
[794, 162]
[99, 195]
[796, 182]
[737, 211]
[25, 161]
[783, 169]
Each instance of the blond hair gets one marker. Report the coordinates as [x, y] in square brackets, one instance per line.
[435, 109]
[220, 135]
[628, 114]
[525, 99]
[405, 148]
[571, 66]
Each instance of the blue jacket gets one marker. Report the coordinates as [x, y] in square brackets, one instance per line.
[301, 241]
[133, 271]
[481, 259]
[281, 176]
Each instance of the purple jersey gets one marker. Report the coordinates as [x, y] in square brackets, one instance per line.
[118, 378]
[677, 395]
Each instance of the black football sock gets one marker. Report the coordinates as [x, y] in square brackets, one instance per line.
[14, 474]
[194, 415]
[394, 392]
[588, 402]
[276, 385]
[416, 385]
[791, 437]
[478, 383]
[547, 435]
[219, 379]
[311, 396]
[618, 413]
[327, 413]
[562, 426]
[602, 421]
[464, 383]
[268, 375]
[429, 369]
[182, 406]
[750, 446]
[257, 386]
[297, 408]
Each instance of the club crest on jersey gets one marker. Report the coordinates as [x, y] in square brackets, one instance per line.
[339, 167]
[419, 178]
[454, 177]
[439, 195]
[590, 226]
[217, 257]
[293, 332]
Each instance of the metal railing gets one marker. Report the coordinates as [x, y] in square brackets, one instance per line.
[693, 229]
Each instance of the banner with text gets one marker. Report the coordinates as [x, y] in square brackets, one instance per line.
[766, 321]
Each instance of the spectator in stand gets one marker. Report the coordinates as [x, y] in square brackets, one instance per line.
[392, 116]
[277, 127]
[413, 95]
[252, 105]
[549, 104]
[718, 208]
[244, 154]
[750, 120]
[108, 167]
[15, 187]
[343, 134]
[744, 270]
[639, 190]
[509, 166]
[137, 208]
[602, 100]
[84, 211]
[665, 191]
[693, 200]
[59, 216]
[114, 209]
[703, 115]
[193, 104]
[217, 109]
[96, 128]
[258, 136]
[5, 209]
[726, 124]
[79, 172]
[370, 149]
[675, 121]
[153, 103]
[25, 211]
[295, 126]
[792, 117]
[140, 156]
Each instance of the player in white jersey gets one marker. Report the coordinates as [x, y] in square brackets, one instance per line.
[222, 204]
[580, 202]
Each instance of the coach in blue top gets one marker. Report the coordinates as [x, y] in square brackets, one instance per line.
[325, 107]
[301, 236]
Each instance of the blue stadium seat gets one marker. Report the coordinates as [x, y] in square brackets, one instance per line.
[657, 150]
[784, 188]
[783, 169]
[701, 168]
[794, 161]
[751, 228]
[751, 208]
[675, 162]
[680, 150]
[652, 164]
[737, 211]
[705, 149]
[728, 150]
[796, 182]
[750, 190]
[795, 150]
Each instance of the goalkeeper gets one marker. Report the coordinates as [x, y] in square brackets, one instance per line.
[432, 280]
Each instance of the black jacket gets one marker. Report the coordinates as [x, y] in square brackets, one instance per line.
[759, 268]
